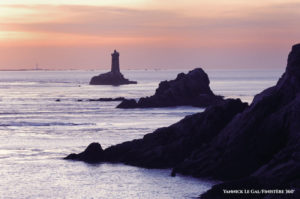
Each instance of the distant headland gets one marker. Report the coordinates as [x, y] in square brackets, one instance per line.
[114, 77]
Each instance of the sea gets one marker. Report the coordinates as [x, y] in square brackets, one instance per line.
[46, 115]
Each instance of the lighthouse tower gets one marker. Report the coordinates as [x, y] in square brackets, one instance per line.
[115, 66]
[114, 77]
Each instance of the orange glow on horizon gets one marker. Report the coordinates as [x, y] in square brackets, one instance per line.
[149, 25]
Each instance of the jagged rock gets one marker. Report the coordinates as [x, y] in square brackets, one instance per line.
[249, 147]
[166, 147]
[190, 89]
[255, 137]
[263, 142]
[114, 77]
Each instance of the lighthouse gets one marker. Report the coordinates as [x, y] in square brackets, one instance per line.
[114, 77]
[115, 65]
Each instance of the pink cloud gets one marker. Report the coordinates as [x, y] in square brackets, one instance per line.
[162, 37]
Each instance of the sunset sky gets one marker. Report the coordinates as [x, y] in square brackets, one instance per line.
[81, 34]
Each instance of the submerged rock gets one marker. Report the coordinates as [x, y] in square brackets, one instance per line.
[191, 89]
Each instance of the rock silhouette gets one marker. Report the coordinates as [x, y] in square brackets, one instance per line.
[106, 99]
[92, 154]
[114, 77]
[262, 145]
[191, 89]
[248, 147]
[168, 146]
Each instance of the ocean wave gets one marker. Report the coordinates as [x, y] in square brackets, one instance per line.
[45, 124]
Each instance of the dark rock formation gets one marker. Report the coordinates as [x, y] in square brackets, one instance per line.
[107, 99]
[167, 147]
[92, 154]
[110, 78]
[114, 77]
[103, 99]
[255, 147]
[127, 103]
[263, 142]
[190, 89]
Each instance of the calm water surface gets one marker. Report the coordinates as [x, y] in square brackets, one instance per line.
[36, 132]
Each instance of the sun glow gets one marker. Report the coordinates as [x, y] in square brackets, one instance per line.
[150, 25]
